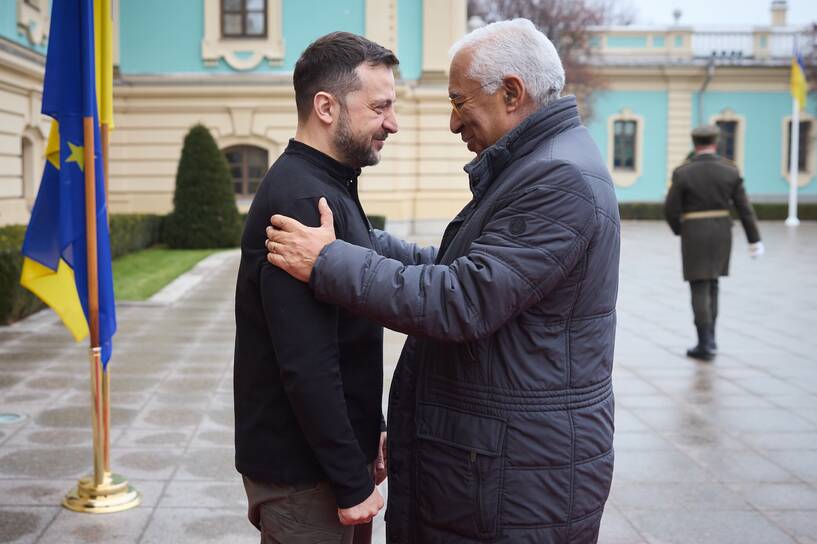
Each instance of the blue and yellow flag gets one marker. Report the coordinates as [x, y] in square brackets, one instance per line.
[55, 263]
[798, 80]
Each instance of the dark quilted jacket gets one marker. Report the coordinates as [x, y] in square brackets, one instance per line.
[501, 407]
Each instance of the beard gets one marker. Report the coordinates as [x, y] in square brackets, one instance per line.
[357, 151]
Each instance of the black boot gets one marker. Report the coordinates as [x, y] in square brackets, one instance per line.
[702, 351]
[713, 347]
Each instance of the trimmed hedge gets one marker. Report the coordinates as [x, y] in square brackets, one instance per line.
[765, 211]
[650, 211]
[15, 301]
[132, 232]
[378, 221]
[129, 233]
[205, 214]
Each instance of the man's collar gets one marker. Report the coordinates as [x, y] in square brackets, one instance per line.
[322, 160]
[544, 123]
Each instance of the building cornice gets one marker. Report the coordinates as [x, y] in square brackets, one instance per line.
[20, 59]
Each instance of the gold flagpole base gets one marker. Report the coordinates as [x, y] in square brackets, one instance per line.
[114, 494]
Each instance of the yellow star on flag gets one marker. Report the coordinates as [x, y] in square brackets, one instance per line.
[77, 155]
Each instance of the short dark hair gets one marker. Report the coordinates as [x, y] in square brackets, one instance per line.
[329, 64]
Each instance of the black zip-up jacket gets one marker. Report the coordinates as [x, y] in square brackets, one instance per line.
[308, 376]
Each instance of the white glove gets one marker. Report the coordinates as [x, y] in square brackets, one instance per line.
[756, 250]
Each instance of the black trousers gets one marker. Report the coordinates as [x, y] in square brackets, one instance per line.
[704, 301]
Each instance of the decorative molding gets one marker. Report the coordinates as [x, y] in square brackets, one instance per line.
[240, 53]
[624, 177]
[729, 114]
[242, 121]
[33, 21]
[803, 178]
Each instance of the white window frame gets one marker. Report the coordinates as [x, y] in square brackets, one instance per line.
[740, 132]
[624, 177]
[234, 50]
[803, 178]
[34, 22]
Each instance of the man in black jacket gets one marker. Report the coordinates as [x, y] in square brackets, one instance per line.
[308, 375]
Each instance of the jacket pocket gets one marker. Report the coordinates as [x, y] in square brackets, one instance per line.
[459, 470]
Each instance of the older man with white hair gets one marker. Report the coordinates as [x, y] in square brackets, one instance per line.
[501, 407]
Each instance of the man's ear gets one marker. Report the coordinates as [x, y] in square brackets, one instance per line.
[324, 105]
[513, 92]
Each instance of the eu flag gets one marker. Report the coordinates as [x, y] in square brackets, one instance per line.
[55, 263]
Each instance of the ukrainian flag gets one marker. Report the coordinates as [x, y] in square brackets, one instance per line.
[55, 264]
[798, 80]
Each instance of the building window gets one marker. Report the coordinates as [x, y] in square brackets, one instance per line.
[243, 18]
[29, 182]
[248, 164]
[732, 137]
[803, 149]
[727, 141]
[624, 145]
[33, 20]
[242, 33]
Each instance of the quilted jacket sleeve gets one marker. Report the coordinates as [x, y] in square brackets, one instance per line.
[405, 252]
[527, 247]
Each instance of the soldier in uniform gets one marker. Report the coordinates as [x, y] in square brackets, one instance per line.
[704, 189]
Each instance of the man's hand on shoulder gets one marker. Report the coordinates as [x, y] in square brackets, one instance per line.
[293, 247]
[363, 512]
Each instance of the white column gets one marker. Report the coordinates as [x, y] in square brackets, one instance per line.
[794, 155]
[444, 22]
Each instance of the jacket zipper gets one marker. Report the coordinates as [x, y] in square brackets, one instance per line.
[478, 478]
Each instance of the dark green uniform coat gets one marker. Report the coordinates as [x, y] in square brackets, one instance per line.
[703, 183]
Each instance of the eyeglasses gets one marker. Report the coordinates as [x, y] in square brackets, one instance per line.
[458, 101]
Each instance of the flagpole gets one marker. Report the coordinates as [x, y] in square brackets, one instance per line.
[103, 492]
[93, 296]
[106, 377]
[794, 167]
[105, 132]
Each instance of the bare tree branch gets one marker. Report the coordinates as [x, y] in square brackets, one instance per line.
[566, 23]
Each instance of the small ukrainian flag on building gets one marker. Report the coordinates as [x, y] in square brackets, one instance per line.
[799, 88]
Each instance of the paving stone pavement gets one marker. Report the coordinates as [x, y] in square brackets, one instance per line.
[705, 453]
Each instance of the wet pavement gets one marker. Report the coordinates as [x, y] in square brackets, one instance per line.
[722, 452]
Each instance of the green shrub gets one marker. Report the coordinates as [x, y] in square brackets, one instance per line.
[765, 211]
[129, 233]
[205, 214]
[132, 232]
[378, 221]
[653, 211]
[15, 300]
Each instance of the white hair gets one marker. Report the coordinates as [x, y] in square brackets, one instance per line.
[514, 47]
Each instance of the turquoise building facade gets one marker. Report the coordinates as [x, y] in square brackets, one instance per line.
[175, 68]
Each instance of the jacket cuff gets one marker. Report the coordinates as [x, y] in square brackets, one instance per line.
[318, 262]
[348, 498]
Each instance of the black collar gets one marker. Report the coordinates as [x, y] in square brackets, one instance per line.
[323, 161]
